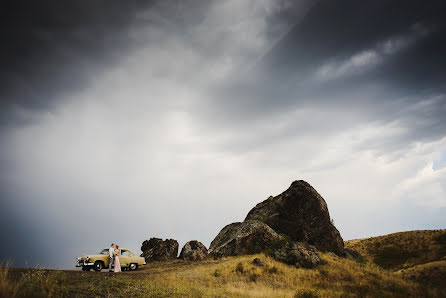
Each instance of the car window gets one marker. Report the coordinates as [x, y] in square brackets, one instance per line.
[104, 252]
[125, 253]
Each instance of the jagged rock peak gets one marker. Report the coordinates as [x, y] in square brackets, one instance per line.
[301, 213]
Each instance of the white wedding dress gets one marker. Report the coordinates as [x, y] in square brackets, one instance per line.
[117, 263]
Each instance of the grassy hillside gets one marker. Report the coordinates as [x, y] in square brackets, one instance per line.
[227, 277]
[415, 255]
[402, 250]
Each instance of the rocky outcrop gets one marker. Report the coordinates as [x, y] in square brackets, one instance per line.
[248, 237]
[156, 249]
[302, 214]
[194, 251]
[299, 254]
[252, 236]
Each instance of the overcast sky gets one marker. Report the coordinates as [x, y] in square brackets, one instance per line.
[124, 120]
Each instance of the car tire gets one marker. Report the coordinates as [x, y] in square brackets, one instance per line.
[86, 268]
[98, 265]
[133, 266]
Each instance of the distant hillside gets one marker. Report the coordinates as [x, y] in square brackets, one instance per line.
[414, 255]
[402, 250]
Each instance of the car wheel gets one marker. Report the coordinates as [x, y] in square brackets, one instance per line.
[133, 266]
[98, 265]
[85, 268]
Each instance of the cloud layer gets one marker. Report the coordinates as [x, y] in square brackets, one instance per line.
[184, 115]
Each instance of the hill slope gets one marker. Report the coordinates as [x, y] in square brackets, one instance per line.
[414, 255]
[402, 250]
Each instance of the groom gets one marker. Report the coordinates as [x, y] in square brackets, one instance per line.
[111, 253]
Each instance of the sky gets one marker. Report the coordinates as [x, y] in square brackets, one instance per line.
[126, 120]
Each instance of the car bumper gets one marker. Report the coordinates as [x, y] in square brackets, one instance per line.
[81, 264]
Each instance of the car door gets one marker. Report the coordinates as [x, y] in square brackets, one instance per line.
[124, 258]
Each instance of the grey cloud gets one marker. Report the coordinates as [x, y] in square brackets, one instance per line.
[50, 47]
[191, 112]
[374, 68]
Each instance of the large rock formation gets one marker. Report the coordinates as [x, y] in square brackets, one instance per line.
[302, 214]
[253, 236]
[156, 249]
[248, 237]
[297, 253]
[194, 251]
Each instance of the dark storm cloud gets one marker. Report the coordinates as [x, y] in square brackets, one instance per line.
[375, 56]
[51, 47]
[201, 108]
[342, 28]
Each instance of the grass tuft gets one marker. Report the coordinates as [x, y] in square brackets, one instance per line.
[239, 268]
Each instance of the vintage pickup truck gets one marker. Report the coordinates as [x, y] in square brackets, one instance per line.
[99, 261]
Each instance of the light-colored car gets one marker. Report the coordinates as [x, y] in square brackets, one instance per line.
[100, 261]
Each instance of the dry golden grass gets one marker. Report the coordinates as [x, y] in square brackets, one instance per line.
[7, 288]
[432, 274]
[402, 250]
[238, 277]
[227, 277]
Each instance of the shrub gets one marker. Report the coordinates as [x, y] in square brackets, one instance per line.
[306, 294]
[239, 268]
[271, 270]
[254, 277]
[217, 273]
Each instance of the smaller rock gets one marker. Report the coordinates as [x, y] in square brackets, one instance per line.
[156, 249]
[258, 262]
[299, 254]
[194, 251]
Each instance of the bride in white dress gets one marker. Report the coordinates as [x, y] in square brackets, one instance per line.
[117, 263]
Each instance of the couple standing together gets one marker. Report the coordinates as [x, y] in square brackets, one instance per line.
[114, 254]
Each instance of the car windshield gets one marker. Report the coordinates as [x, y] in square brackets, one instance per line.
[104, 251]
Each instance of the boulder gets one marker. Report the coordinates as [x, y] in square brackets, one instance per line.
[157, 249]
[300, 213]
[194, 251]
[299, 254]
[253, 236]
[240, 238]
